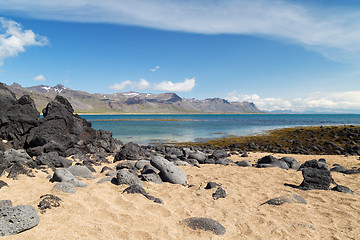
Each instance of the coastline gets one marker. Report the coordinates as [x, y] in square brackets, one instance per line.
[102, 211]
[164, 113]
[204, 113]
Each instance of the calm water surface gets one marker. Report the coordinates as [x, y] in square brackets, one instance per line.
[143, 129]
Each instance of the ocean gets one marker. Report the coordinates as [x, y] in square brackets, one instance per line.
[147, 129]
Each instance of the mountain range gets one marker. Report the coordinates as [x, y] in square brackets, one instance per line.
[130, 102]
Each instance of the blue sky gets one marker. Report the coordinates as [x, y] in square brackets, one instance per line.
[299, 55]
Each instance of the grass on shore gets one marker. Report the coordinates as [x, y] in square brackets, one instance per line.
[285, 138]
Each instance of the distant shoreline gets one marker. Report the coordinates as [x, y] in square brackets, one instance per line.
[112, 113]
[210, 113]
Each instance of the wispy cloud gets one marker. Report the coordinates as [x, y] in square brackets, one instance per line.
[140, 85]
[331, 31]
[40, 78]
[348, 101]
[13, 39]
[121, 86]
[166, 86]
[169, 86]
[155, 68]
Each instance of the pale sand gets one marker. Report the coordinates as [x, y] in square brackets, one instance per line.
[101, 211]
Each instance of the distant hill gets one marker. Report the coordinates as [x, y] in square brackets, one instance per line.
[131, 102]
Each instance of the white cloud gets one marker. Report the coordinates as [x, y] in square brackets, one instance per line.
[155, 68]
[169, 86]
[324, 28]
[39, 78]
[13, 39]
[121, 86]
[347, 101]
[142, 84]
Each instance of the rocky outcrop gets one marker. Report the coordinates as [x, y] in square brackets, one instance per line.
[63, 131]
[17, 117]
[316, 175]
[59, 130]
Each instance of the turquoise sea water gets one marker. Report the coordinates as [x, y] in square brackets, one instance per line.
[142, 129]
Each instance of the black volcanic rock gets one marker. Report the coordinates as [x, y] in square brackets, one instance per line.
[219, 193]
[17, 117]
[130, 151]
[53, 160]
[271, 161]
[316, 176]
[59, 130]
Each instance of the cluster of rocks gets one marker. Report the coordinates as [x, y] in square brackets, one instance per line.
[59, 130]
[317, 175]
[31, 143]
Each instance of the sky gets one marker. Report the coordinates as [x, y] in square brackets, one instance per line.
[299, 55]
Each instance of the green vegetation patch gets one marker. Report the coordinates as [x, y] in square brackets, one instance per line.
[316, 139]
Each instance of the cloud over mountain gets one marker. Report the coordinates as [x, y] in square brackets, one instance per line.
[39, 78]
[347, 101]
[165, 86]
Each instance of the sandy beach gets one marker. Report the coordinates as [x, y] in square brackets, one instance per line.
[101, 211]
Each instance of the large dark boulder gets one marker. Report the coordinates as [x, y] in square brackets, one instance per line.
[199, 156]
[271, 161]
[125, 177]
[130, 151]
[319, 164]
[291, 162]
[59, 126]
[17, 117]
[168, 171]
[63, 131]
[53, 160]
[59, 130]
[316, 176]
[218, 154]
